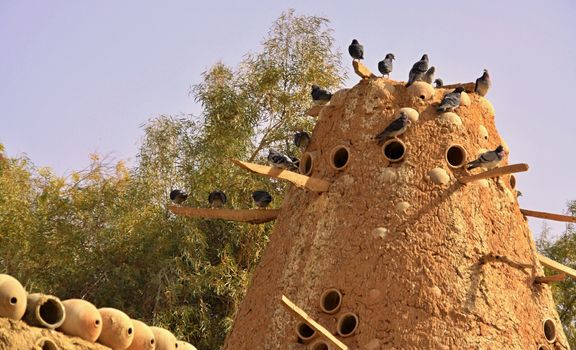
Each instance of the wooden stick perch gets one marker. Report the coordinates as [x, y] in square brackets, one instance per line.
[299, 313]
[556, 266]
[253, 216]
[362, 70]
[468, 87]
[549, 279]
[549, 216]
[311, 183]
[508, 169]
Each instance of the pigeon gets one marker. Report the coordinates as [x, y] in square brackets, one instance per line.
[483, 84]
[217, 199]
[450, 101]
[319, 94]
[438, 83]
[397, 127]
[261, 198]
[385, 66]
[487, 160]
[280, 160]
[356, 50]
[429, 75]
[418, 70]
[178, 196]
[301, 139]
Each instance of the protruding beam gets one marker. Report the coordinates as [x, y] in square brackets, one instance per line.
[315, 110]
[549, 279]
[508, 169]
[468, 87]
[362, 70]
[549, 216]
[253, 216]
[556, 266]
[299, 313]
[311, 183]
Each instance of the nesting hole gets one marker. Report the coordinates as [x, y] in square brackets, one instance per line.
[550, 330]
[456, 156]
[394, 150]
[13, 301]
[46, 344]
[339, 157]
[320, 345]
[51, 312]
[97, 322]
[130, 330]
[305, 332]
[542, 347]
[422, 97]
[330, 301]
[512, 181]
[176, 345]
[306, 164]
[152, 341]
[347, 324]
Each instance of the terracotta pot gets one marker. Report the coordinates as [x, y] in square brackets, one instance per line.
[182, 345]
[44, 311]
[45, 343]
[12, 298]
[165, 340]
[117, 329]
[82, 320]
[143, 337]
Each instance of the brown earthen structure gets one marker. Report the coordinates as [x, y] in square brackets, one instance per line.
[397, 253]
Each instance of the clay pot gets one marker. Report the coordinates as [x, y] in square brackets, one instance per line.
[45, 343]
[44, 311]
[12, 298]
[165, 340]
[182, 345]
[143, 337]
[82, 320]
[117, 329]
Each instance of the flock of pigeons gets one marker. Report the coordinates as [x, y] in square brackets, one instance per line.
[420, 72]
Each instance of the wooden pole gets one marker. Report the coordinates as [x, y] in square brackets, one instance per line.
[508, 169]
[253, 216]
[362, 70]
[311, 183]
[549, 279]
[468, 87]
[299, 313]
[556, 266]
[549, 216]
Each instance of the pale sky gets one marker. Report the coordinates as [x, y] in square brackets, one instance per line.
[78, 77]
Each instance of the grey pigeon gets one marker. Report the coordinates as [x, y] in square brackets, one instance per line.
[217, 199]
[429, 75]
[280, 160]
[385, 66]
[178, 196]
[451, 100]
[356, 50]
[396, 128]
[319, 94]
[418, 70]
[261, 198]
[301, 139]
[438, 83]
[483, 84]
[487, 160]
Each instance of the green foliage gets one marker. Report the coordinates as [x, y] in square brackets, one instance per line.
[563, 250]
[105, 234]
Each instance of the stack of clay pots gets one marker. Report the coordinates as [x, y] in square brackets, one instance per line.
[80, 318]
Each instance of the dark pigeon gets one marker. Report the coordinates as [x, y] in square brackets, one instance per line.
[301, 139]
[261, 198]
[429, 75]
[487, 160]
[178, 196]
[356, 50]
[396, 128]
[385, 66]
[438, 83]
[319, 94]
[483, 84]
[450, 101]
[280, 160]
[418, 70]
[217, 199]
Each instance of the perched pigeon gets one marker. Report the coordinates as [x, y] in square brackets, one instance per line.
[429, 75]
[280, 160]
[178, 196]
[438, 83]
[319, 94]
[356, 50]
[261, 198]
[483, 84]
[418, 70]
[397, 127]
[385, 66]
[217, 199]
[301, 139]
[450, 100]
[487, 160]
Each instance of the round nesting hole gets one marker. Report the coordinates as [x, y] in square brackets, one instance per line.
[46, 344]
[339, 157]
[549, 330]
[456, 156]
[176, 345]
[330, 301]
[13, 301]
[305, 332]
[422, 97]
[394, 150]
[512, 181]
[542, 347]
[320, 345]
[130, 330]
[97, 322]
[151, 341]
[306, 164]
[51, 312]
[347, 324]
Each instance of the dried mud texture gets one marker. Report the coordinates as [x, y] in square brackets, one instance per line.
[423, 264]
[17, 335]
